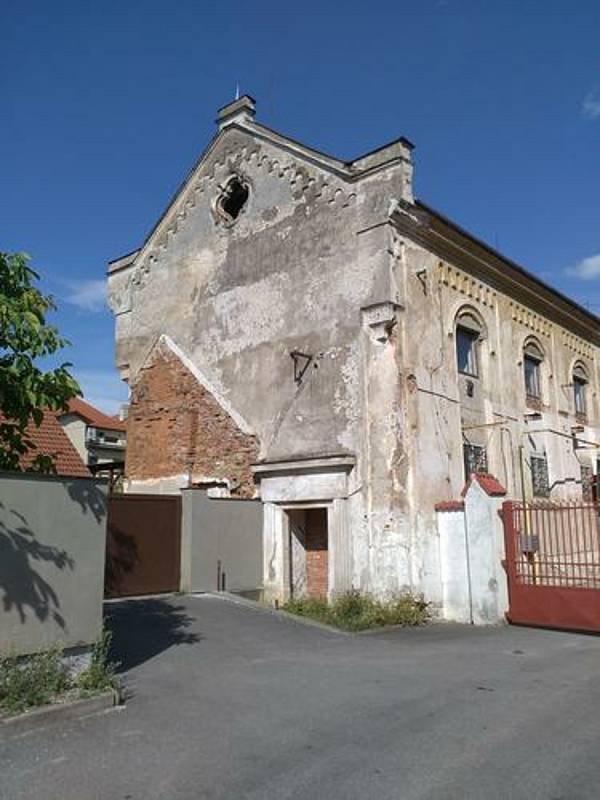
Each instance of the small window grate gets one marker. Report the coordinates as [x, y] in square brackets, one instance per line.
[539, 476]
[475, 458]
[587, 483]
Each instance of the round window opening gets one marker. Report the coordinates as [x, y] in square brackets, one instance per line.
[233, 199]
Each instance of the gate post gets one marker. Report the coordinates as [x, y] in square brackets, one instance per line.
[187, 528]
[507, 515]
[484, 550]
[508, 521]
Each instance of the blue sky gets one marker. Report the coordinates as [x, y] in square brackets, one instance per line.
[105, 106]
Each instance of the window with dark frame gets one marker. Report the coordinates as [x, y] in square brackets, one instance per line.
[474, 458]
[539, 476]
[579, 392]
[466, 351]
[532, 360]
[531, 369]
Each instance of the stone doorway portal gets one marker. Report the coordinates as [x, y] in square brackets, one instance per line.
[308, 552]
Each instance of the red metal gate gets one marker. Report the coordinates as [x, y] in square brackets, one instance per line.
[143, 541]
[553, 564]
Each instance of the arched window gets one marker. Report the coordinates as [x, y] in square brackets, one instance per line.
[580, 382]
[532, 360]
[468, 334]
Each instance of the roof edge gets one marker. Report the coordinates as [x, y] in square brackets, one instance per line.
[348, 170]
[569, 308]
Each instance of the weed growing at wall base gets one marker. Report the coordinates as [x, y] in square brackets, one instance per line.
[354, 611]
[44, 678]
[31, 682]
[100, 674]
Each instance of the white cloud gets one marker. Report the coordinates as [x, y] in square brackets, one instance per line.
[591, 105]
[588, 269]
[87, 295]
[102, 388]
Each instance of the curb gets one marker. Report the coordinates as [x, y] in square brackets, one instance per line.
[279, 613]
[311, 623]
[39, 718]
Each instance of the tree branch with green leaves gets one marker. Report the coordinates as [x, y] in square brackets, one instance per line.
[26, 390]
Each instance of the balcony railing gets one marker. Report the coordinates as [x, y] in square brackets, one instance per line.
[100, 438]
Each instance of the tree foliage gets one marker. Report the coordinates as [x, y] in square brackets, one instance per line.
[26, 390]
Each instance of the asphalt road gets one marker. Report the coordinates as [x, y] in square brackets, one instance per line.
[231, 703]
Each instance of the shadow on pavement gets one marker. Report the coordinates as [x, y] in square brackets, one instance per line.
[141, 629]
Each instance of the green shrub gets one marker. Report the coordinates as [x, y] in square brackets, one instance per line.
[353, 611]
[31, 682]
[42, 678]
[313, 607]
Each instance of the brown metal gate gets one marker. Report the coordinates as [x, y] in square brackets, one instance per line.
[143, 542]
[553, 564]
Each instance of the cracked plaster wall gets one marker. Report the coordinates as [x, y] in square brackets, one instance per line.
[309, 251]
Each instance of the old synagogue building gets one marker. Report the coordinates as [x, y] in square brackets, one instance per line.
[302, 329]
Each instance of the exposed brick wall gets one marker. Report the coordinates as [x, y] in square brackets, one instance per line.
[173, 420]
[317, 555]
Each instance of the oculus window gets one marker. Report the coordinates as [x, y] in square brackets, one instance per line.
[232, 200]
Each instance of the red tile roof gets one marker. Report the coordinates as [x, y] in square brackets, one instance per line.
[94, 416]
[51, 440]
[488, 483]
[450, 505]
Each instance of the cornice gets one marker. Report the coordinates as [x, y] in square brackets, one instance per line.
[451, 243]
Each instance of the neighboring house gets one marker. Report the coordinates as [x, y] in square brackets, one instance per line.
[99, 438]
[50, 440]
[302, 327]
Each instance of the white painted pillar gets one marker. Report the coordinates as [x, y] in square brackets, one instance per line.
[340, 551]
[275, 553]
[485, 538]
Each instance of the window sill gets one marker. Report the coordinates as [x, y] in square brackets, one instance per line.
[534, 403]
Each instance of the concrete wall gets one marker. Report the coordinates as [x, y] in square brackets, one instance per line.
[474, 582]
[52, 547]
[220, 530]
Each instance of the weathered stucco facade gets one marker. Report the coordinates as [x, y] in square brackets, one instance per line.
[303, 311]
